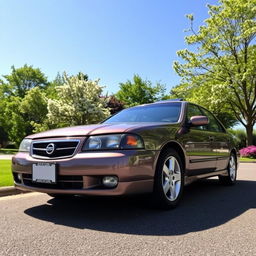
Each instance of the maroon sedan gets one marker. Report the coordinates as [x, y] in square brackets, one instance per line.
[155, 148]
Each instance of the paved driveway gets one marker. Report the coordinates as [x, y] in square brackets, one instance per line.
[211, 220]
[6, 157]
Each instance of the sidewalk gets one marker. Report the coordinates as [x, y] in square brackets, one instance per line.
[6, 157]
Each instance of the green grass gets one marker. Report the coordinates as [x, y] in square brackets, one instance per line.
[247, 159]
[5, 173]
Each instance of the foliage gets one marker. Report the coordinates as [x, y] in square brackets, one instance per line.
[114, 105]
[221, 71]
[26, 95]
[78, 102]
[12, 119]
[23, 79]
[50, 89]
[3, 136]
[34, 109]
[239, 136]
[248, 152]
[22, 102]
[21, 116]
[139, 91]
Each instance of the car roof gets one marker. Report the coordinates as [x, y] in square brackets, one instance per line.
[160, 102]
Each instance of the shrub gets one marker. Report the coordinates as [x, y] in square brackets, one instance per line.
[248, 152]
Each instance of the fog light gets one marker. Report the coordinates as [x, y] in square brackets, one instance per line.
[110, 181]
[19, 176]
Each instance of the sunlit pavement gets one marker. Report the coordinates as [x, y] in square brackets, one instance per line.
[211, 220]
[6, 157]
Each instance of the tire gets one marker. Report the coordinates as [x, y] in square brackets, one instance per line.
[230, 179]
[169, 180]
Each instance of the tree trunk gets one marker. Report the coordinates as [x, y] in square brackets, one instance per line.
[249, 133]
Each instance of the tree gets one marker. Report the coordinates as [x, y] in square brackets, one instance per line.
[3, 132]
[114, 104]
[23, 116]
[21, 102]
[12, 120]
[139, 91]
[221, 67]
[211, 100]
[78, 102]
[33, 108]
[23, 79]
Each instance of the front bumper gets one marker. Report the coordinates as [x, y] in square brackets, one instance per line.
[82, 174]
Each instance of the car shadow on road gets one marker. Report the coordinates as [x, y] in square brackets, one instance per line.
[205, 205]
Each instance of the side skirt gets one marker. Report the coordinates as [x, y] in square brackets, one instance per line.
[190, 179]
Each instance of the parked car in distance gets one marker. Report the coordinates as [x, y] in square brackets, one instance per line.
[154, 148]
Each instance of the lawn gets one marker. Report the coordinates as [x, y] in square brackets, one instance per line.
[5, 173]
[247, 159]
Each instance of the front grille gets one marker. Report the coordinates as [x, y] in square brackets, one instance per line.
[54, 148]
[63, 182]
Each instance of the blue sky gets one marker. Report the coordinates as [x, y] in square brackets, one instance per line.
[107, 39]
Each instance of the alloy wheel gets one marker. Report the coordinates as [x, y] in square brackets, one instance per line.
[171, 178]
[232, 168]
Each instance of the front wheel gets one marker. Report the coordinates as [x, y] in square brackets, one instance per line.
[169, 180]
[232, 172]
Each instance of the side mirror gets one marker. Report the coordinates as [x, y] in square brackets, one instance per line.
[199, 120]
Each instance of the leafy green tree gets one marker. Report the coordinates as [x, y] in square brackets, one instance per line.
[209, 100]
[21, 102]
[33, 108]
[23, 116]
[3, 132]
[12, 120]
[139, 91]
[78, 102]
[50, 89]
[23, 79]
[221, 67]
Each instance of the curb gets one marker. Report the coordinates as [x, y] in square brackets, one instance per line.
[248, 162]
[9, 191]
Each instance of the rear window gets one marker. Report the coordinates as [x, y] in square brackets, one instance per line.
[168, 113]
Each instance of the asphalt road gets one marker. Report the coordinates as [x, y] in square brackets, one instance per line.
[211, 220]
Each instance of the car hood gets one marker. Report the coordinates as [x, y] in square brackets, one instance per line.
[85, 130]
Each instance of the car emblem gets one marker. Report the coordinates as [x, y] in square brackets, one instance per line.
[50, 148]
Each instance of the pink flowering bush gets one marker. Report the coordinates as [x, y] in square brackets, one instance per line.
[248, 152]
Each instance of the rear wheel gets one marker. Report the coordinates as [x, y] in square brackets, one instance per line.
[169, 180]
[232, 172]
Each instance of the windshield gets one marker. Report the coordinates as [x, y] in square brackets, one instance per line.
[168, 113]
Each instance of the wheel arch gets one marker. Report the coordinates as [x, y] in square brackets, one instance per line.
[176, 146]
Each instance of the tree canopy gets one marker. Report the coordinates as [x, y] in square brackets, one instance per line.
[219, 71]
[78, 102]
[139, 91]
[23, 79]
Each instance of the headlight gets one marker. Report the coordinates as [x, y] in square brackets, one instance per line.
[25, 145]
[115, 141]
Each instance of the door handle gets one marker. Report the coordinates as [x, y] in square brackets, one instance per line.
[211, 138]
